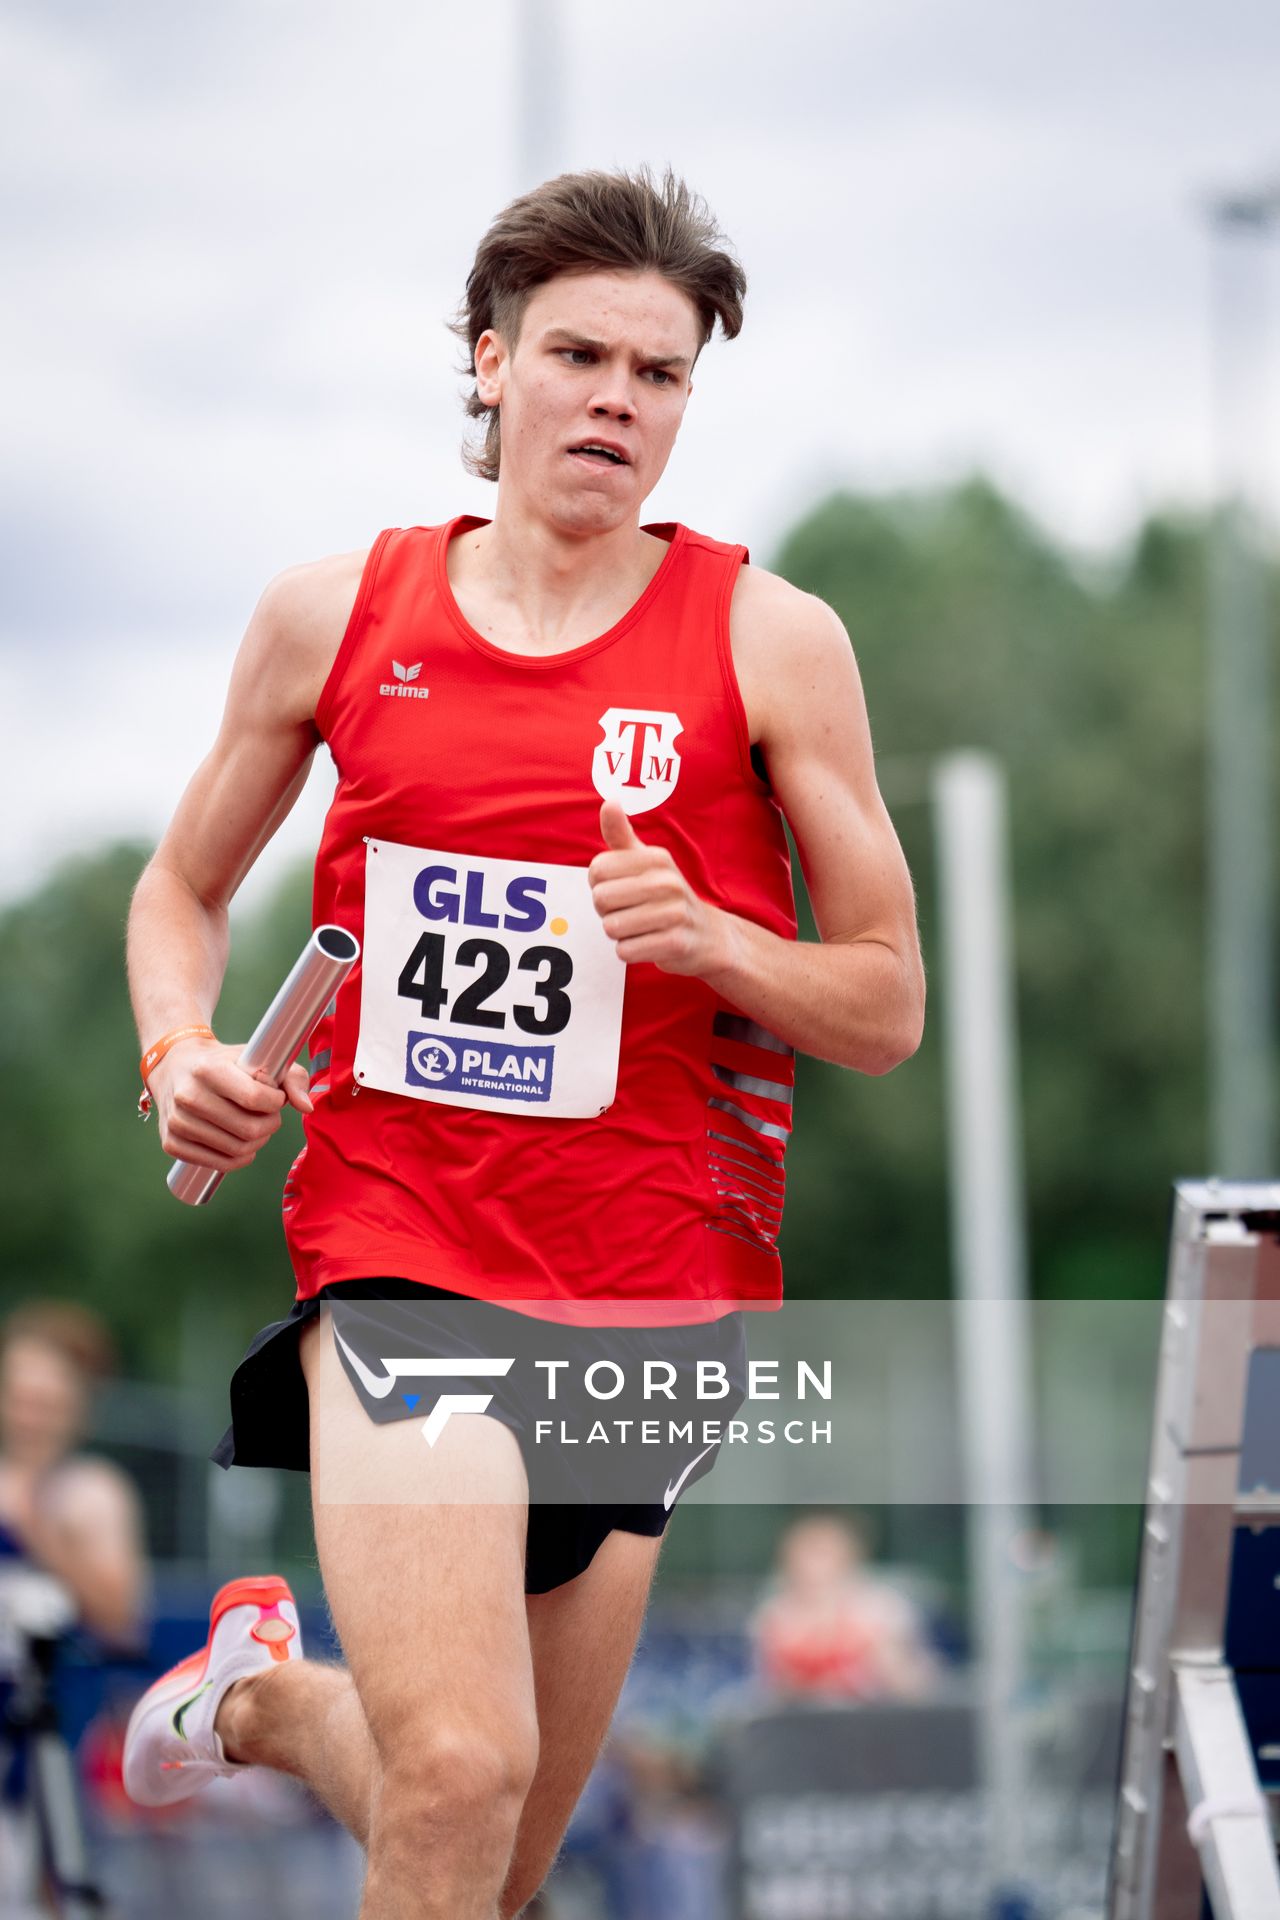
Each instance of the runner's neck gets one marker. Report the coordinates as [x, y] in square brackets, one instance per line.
[532, 590]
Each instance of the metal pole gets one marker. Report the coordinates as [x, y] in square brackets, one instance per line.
[1241, 970]
[538, 91]
[987, 1230]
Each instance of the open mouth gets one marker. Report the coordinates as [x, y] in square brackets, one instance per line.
[598, 454]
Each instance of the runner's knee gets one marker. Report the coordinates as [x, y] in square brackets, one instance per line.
[451, 1805]
[453, 1772]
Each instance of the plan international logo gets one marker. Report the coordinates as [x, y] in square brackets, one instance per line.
[403, 687]
[519, 1069]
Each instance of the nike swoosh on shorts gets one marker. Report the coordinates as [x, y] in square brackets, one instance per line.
[369, 1380]
[671, 1492]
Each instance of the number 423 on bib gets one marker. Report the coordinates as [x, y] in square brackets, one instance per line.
[486, 983]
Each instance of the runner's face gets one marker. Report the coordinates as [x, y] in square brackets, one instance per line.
[600, 357]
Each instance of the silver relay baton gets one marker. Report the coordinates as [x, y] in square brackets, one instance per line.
[276, 1041]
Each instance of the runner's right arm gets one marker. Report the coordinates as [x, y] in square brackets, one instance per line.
[211, 1112]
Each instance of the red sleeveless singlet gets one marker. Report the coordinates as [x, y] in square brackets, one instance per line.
[503, 1108]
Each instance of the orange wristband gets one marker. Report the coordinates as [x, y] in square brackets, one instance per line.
[154, 1055]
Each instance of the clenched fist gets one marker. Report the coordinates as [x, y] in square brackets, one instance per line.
[212, 1112]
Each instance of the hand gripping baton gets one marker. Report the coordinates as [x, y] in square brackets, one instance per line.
[315, 977]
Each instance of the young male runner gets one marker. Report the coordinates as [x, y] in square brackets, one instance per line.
[563, 741]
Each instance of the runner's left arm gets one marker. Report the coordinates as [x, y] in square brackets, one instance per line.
[857, 995]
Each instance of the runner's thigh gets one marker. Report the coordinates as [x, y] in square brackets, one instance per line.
[421, 1551]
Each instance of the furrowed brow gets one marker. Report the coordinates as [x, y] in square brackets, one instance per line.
[563, 336]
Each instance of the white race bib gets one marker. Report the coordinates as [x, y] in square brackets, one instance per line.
[487, 983]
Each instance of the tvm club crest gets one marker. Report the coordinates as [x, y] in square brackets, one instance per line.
[636, 763]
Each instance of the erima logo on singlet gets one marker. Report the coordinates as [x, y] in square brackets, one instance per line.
[636, 763]
[405, 676]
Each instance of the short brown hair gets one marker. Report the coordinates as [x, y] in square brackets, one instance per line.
[77, 1333]
[580, 223]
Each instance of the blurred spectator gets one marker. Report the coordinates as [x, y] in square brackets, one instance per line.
[599, 1836]
[647, 1838]
[72, 1514]
[831, 1630]
[675, 1862]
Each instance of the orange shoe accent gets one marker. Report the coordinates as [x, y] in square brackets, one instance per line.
[267, 1590]
[274, 1632]
[272, 1626]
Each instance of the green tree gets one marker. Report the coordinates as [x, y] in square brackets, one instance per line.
[87, 1212]
[972, 630]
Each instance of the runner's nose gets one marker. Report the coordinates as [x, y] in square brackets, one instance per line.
[613, 407]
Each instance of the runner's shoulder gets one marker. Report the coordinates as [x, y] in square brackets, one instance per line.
[310, 603]
[766, 609]
[790, 650]
[297, 626]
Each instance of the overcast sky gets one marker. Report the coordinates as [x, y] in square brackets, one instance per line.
[233, 234]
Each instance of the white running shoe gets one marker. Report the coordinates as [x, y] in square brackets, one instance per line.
[171, 1747]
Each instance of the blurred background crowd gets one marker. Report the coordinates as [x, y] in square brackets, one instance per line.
[974, 408]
